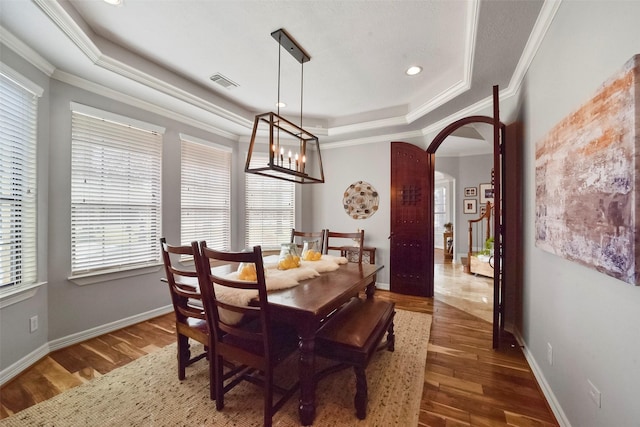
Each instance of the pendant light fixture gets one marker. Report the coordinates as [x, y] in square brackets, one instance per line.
[294, 153]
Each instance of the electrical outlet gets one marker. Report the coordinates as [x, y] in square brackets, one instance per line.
[595, 395]
[549, 354]
[33, 324]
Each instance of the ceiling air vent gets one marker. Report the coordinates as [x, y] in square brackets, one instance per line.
[223, 81]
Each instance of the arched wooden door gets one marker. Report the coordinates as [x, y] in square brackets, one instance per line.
[411, 239]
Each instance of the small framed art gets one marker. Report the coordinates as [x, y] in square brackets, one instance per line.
[470, 206]
[486, 193]
[470, 192]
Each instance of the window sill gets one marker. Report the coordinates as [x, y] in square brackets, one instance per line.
[14, 295]
[109, 275]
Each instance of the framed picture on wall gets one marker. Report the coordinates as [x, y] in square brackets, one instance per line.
[470, 192]
[470, 206]
[486, 193]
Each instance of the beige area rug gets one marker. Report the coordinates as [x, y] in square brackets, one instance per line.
[147, 392]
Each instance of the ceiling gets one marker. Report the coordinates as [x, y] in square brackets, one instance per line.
[160, 55]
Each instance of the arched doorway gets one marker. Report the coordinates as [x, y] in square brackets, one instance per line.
[412, 214]
[498, 136]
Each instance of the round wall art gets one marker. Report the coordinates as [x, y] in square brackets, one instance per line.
[360, 200]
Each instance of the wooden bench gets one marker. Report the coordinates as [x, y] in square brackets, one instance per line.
[351, 336]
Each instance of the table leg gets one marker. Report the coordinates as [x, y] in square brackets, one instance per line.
[307, 408]
[371, 288]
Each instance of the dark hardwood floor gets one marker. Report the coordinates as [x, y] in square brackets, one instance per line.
[466, 382]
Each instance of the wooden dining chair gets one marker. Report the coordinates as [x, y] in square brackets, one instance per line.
[256, 344]
[191, 321]
[298, 237]
[337, 241]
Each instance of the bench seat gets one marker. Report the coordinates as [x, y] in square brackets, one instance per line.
[352, 335]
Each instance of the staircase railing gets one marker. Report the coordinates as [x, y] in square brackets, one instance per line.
[478, 222]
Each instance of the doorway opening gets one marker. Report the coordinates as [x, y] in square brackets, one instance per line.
[462, 163]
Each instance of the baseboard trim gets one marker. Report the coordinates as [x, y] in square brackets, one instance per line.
[18, 367]
[15, 369]
[542, 381]
[383, 286]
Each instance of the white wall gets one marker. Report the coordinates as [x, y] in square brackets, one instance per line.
[591, 320]
[16, 340]
[342, 167]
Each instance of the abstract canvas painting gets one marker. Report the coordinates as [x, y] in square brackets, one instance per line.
[587, 179]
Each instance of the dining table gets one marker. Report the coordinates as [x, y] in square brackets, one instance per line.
[306, 305]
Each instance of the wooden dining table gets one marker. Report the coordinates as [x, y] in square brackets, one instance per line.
[306, 305]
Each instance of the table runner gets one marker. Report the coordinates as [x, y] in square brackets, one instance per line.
[275, 280]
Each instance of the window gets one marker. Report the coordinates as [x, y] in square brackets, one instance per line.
[440, 207]
[205, 189]
[269, 208]
[18, 121]
[115, 192]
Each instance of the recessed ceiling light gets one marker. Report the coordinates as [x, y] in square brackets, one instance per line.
[281, 104]
[412, 71]
[114, 2]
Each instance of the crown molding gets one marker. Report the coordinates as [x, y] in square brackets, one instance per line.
[473, 14]
[545, 18]
[138, 103]
[65, 22]
[28, 54]
[85, 43]
[56, 12]
[373, 139]
[364, 126]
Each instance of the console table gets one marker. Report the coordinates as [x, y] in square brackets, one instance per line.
[448, 245]
[351, 253]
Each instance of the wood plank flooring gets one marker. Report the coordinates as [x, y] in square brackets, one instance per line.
[466, 383]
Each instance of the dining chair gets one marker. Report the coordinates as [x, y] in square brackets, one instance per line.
[256, 344]
[344, 240]
[298, 237]
[191, 321]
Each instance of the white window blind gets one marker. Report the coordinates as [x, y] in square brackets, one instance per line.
[18, 119]
[205, 190]
[115, 194]
[269, 207]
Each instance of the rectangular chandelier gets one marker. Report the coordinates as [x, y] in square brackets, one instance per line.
[294, 153]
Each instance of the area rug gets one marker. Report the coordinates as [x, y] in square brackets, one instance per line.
[147, 392]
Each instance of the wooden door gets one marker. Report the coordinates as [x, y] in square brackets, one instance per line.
[411, 246]
[512, 242]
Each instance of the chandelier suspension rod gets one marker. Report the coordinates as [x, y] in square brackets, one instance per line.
[279, 55]
[301, 89]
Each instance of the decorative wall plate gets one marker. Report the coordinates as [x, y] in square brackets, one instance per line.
[360, 200]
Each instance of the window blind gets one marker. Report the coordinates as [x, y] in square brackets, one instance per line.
[269, 207]
[440, 208]
[115, 195]
[205, 193]
[18, 119]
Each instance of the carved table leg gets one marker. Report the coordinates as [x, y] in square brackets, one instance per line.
[371, 288]
[307, 408]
